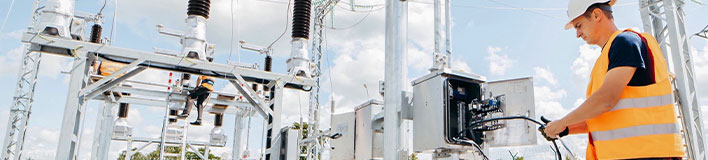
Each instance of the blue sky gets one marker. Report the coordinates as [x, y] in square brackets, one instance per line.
[489, 38]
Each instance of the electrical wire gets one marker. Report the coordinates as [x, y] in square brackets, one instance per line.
[356, 11]
[476, 146]
[100, 12]
[329, 67]
[231, 43]
[238, 34]
[273, 1]
[113, 26]
[532, 11]
[287, 22]
[353, 25]
[7, 15]
[557, 150]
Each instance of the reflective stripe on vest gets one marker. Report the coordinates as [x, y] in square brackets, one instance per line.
[644, 102]
[642, 130]
[643, 123]
[207, 82]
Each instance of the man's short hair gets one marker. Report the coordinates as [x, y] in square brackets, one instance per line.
[605, 7]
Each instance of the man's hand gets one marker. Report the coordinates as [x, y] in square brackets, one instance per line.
[554, 128]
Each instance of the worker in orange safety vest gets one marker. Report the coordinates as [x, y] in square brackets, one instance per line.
[629, 108]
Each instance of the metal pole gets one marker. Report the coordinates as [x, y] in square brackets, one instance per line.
[238, 130]
[68, 137]
[103, 131]
[437, 25]
[164, 127]
[448, 28]
[674, 44]
[22, 101]
[396, 40]
[275, 125]
[129, 152]
[683, 68]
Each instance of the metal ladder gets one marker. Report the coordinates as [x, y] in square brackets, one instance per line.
[173, 131]
[176, 131]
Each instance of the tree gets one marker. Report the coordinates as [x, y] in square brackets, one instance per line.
[168, 149]
[136, 156]
[414, 156]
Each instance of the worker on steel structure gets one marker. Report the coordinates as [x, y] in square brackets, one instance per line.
[200, 93]
[629, 107]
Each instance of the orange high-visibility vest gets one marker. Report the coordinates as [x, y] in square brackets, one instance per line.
[643, 123]
[207, 82]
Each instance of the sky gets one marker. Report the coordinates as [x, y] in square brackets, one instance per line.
[489, 37]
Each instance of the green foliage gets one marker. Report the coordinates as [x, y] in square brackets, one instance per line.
[156, 154]
[567, 158]
[515, 156]
[413, 156]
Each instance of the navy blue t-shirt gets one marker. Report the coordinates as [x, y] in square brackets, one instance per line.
[628, 49]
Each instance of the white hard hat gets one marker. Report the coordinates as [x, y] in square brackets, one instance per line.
[576, 8]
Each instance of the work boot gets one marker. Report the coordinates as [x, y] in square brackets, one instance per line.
[198, 122]
[183, 115]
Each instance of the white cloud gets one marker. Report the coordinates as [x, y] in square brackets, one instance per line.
[296, 105]
[548, 102]
[11, 61]
[357, 63]
[41, 143]
[498, 62]
[11, 35]
[460, 65]
[582, 65]
[4, 112]
[545, 74]
[700, 64]
[135, 118]
[52, 66]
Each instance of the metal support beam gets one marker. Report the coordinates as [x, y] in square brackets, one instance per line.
[396, 48]
[320, 13]
[104, 130]
[675, 44]
[236, 150]
[74, 109]
[91, 88]
[157, 140]
[22, 101]
[251, 96]
[275, 118]
[113, 83]
[196, 151]
[174, 63]
[21, 106]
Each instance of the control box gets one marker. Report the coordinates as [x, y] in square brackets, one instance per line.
[447, 105]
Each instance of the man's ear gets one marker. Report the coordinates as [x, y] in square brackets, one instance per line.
[597, 14]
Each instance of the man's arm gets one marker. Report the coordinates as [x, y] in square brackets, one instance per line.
[578, 128]
[199, 81]
[599, 102]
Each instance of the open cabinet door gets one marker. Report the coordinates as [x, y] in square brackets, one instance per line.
[519, 101]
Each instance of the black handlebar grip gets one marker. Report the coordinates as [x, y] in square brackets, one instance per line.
[564, 133]
[561, 134]
[545, 120]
